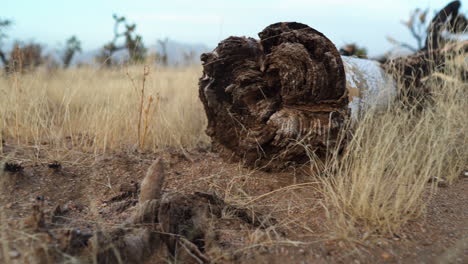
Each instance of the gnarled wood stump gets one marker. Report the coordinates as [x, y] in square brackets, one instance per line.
[268, 100]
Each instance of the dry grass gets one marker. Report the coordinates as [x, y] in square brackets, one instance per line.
[381, 180]
[98, 110]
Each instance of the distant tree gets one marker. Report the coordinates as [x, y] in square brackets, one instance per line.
[353, 49]
[4, 24]
[416, 24]
[132, 42]
[189, 57]
[25, 57]
[162, 54]
[72, 46]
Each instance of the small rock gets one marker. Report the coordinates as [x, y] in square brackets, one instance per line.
[442, 183]
[386, 255]
[9, 205]
[58, 212]
[131, 187]
[14, 254]
[12, 167]
[55, 165]
[426, 243]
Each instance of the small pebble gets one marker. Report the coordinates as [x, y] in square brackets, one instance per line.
[386, 255]
[14, 254]
[442, 183]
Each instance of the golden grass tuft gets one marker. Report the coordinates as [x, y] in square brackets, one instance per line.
[382, 180]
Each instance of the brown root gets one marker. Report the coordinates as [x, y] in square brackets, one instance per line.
[152, 184]
[123, 245]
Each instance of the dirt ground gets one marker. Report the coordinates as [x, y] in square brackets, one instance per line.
[85, 184]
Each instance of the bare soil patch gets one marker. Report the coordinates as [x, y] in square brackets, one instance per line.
[99, 192]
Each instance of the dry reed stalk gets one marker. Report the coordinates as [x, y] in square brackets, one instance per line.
[147, 119]
[142, 110]
[18, 70]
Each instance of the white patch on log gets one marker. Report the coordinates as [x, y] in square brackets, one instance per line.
[368, 85]
[454, 36]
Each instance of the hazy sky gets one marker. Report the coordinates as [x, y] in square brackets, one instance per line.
[366, 22]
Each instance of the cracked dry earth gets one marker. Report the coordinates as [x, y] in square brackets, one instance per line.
[85, 187]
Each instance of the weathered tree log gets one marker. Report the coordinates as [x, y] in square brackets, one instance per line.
[265, 100]
[270, 102]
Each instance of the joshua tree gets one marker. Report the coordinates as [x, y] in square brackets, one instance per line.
[73, 45]
[133, 43]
